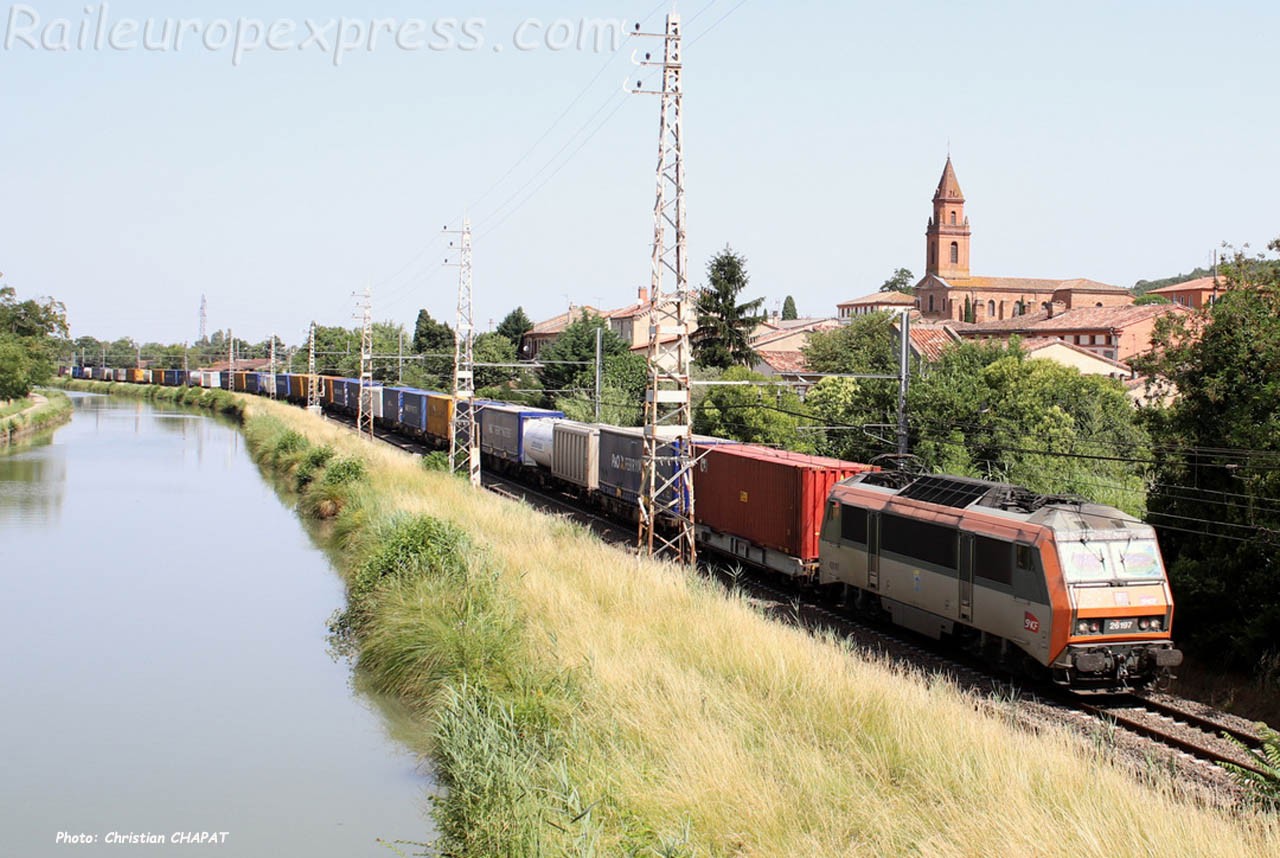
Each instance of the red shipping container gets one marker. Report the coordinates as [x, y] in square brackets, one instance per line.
[769, 497]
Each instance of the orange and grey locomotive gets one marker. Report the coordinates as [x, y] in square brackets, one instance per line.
[1051, 584]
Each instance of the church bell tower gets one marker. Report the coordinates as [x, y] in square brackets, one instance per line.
[947, 238]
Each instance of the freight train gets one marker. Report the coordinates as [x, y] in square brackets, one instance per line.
[1052, 586]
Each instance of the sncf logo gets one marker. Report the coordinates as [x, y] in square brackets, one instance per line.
[1030, 622]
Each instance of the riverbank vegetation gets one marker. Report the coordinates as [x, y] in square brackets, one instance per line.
[33, 334]
[577, 700]
[582, 701]
[25, 417]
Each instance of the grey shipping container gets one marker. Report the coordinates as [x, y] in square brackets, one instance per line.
[622, 462]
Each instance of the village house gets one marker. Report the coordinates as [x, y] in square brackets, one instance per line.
[1193, 294]
[876, 302]
[1115, 333]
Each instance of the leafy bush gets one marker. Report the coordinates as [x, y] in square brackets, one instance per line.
[437, 460]
[344, 472]
[315, 459]
[1264, 785]
[406, 548]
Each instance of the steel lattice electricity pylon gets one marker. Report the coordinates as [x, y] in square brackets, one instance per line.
[313, 378]
[464, 430]
[364, 410]
[666, 496]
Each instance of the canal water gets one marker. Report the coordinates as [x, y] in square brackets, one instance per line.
[163, 626]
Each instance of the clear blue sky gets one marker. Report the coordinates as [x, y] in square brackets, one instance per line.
[1110, 140]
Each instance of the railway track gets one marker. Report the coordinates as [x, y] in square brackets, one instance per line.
[1190, 734]
[1173, 722]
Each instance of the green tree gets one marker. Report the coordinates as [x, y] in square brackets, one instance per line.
[514, 326]
[434, 340]
[868, 344]
[1150, 299]
[723, 338]
[765, 413]
[494, 348]
[1216, 489]
[789, 309]
[902, 280]
[15, 368]
[39, 327]
[569, 361]
[337, 352]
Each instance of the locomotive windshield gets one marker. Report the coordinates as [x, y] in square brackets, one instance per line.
[1097, 562]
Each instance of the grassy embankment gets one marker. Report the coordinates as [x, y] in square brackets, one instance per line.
[19, 419]
[577, 700]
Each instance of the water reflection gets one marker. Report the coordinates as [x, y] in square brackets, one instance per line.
[163, 617]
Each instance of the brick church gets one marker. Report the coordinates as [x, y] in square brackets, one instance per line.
[948, 288]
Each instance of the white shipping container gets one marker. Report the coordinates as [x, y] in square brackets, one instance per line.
[539, 438]
[575, 454]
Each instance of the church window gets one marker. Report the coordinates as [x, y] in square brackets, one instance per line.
[930, 302]
[933, 255]
[955, 252]
[991, 309]
[953, 218]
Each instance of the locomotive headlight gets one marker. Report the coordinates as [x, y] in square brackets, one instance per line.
[1144, 624]
[1155, 624]
[1083, 627]
[1095, 627]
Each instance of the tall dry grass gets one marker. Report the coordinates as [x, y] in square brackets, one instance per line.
[680, 721]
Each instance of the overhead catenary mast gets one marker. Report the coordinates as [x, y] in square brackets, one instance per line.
[464, 430]
[313, 377]
[666, 496]
[364, 410]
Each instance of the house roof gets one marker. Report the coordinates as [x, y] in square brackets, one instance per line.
[1025, 284]
[1079, 319]
[1035, 344]
[896, 299]
[556, 324]
[1200, 283]
[780, 362]
[763, 339]
[929, 341]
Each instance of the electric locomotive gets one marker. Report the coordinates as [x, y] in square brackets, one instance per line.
[1050, 584]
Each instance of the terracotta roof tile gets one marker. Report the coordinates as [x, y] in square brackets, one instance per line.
[1035, 344]
[931, 341]
[891, 298]
[784, 361]
[1206, 283]
[556, 324]
[1080, 319]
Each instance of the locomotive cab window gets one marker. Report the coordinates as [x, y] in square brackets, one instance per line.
[853, 524]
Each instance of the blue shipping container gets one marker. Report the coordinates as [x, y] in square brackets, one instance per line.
[392, 401]
[413, 410]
